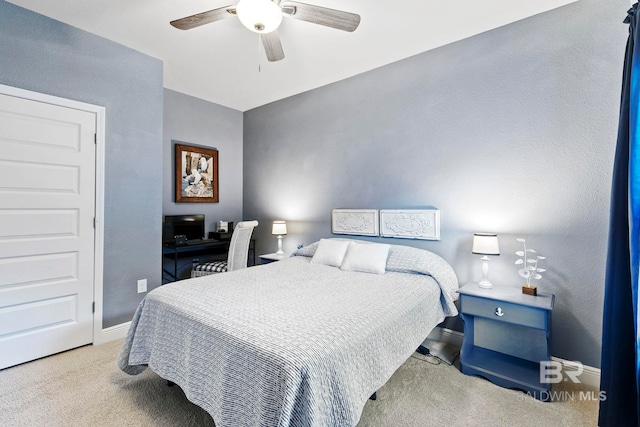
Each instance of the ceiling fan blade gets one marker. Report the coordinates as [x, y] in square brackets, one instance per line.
[338, 19]
[272, 46]
[203, 18]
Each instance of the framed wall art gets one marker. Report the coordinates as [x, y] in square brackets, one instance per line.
[359, 222]
[410, 223]
[196, 174]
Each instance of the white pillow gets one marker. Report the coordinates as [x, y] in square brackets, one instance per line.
[330, 252]
[367, 258]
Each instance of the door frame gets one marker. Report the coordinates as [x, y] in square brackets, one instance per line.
[98, 251]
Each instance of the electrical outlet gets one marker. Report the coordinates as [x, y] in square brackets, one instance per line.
[142, 286]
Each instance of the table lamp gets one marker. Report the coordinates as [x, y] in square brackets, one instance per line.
[279, 229]
[485, 244]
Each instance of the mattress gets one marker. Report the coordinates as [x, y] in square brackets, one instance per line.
[290, 343]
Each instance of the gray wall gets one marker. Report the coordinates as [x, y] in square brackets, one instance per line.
[194, 121]
[511, 131]
[43, 55]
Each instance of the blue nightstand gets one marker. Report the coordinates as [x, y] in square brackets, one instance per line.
[506, 335]
[274, 257]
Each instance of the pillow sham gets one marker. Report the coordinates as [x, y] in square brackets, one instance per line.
[366, 257]
[330, 252]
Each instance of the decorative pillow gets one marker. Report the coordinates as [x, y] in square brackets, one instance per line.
[367, 258]
[330, 252]
[306, 251]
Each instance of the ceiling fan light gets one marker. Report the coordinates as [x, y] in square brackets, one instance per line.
[260, 16]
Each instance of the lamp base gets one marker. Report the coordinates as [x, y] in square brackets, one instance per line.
[280, 251]
[485, 284]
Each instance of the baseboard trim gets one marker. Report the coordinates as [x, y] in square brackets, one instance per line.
[112, 333]
[590, 376]
[446, 335]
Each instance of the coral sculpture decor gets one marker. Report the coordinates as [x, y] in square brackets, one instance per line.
[529, 260]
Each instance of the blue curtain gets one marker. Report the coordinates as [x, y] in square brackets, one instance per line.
[619, 377]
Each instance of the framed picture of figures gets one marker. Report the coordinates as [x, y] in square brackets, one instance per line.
[196, 169]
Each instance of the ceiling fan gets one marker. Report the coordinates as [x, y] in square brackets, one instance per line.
[264, 17]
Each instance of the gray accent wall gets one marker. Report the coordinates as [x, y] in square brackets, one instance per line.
[193, 121]
[511, 131]
[43, 55]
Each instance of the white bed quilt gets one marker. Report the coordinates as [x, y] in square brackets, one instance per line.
[287, 344]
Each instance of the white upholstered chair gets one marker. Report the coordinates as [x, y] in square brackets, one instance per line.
[238, 252]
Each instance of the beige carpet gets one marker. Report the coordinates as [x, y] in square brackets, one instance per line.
[83, 387]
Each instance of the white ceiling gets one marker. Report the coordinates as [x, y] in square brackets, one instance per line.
[221, 62]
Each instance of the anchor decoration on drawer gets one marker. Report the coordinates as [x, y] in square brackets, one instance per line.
[499, 312]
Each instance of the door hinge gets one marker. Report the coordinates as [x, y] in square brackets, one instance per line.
[95, 138]
[93, 307]
[94, 222]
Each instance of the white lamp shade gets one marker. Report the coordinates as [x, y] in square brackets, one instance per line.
[279, 228]
[260, 16]
[485, 244]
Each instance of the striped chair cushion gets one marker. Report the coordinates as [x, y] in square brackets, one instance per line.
[209, 268]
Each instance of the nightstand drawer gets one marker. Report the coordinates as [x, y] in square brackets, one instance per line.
[504, 311]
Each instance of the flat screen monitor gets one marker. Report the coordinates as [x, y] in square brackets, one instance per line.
[191, 226]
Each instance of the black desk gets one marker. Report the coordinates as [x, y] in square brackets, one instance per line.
[205, 247]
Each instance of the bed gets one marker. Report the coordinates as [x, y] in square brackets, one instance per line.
[292, 343]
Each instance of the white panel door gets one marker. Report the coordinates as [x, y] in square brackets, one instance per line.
[47, 205]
